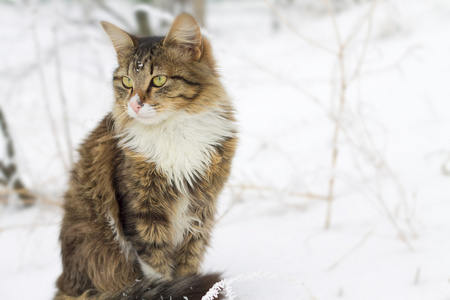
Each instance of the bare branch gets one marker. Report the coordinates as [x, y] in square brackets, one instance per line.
[62, 95]
[45, 93]
[296, 32]
[272, 189]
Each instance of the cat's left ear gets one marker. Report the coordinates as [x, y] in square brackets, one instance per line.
[122, 41]
[185, 33]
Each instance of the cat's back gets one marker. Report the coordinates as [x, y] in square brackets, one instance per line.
[92, 175]
[100, 143]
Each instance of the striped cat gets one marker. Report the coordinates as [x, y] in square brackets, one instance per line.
[142, 198]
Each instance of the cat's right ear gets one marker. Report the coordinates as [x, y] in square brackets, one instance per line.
[122, 41]
[185, 33]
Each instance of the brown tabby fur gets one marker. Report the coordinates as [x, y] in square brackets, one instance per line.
[119, 206]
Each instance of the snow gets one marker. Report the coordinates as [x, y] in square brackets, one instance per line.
[389, 228]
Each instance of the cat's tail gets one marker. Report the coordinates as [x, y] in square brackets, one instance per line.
[182, 288]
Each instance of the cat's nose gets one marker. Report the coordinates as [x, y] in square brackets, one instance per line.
[135, 103]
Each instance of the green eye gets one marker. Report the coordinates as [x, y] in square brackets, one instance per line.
[127, 82]
[159, 80]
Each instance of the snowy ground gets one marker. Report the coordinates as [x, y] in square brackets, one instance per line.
[389, 235]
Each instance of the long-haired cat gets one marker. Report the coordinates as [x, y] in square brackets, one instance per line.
[142, 198]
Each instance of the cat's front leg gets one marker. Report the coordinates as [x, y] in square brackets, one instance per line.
[154, 250]
[189, 255]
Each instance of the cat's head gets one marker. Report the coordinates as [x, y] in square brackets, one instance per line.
[159, 77]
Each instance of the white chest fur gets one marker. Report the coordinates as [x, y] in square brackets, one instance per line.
[181, 221]
[180, 146]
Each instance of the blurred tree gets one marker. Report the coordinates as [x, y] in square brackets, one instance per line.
[174, 7]
[9, 177]
[143, 23]
[117, 15]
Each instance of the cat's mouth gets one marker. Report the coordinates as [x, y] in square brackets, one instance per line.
[144, 112]
[141, 111]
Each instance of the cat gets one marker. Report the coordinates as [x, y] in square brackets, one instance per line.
[141, 200]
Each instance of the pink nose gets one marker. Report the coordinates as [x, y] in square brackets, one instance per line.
[135, 104]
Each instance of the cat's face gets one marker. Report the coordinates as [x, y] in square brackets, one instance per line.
[159, 77]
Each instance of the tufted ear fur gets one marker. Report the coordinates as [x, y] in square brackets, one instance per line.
[123, 42]
[185, 33]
